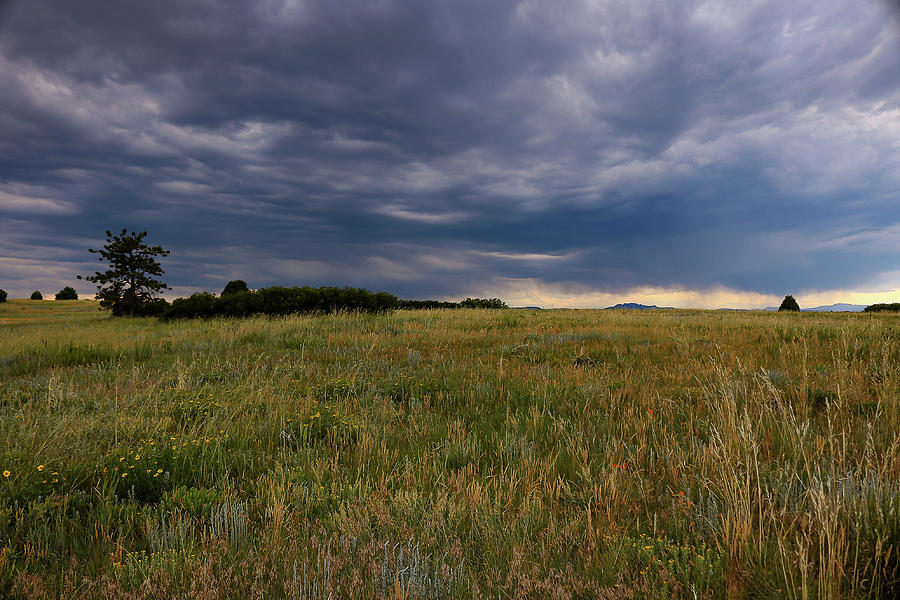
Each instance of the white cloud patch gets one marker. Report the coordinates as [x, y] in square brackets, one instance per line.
[184, 187]
[399, 212]
[527, 256]
[15, 203]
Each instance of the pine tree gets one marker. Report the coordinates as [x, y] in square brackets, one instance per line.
[130, 282]
[789, 304]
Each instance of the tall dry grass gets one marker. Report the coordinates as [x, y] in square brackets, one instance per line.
[445, 454]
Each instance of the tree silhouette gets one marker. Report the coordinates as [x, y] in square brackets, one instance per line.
[235, 286]
[129, 283]
[789, 304]
[67, 293]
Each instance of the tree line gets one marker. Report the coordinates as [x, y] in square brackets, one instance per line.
[892, 307]
[467, 303]
[130, 286]
[275, 300]
[67, 293]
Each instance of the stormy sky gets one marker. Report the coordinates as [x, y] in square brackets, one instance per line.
[558, 153]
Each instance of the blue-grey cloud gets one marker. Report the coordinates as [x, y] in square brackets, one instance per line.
[430, 148]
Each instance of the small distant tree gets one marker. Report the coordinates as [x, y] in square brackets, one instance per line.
[67, 293]
[234, 287]
[36, 295]
[2, 295]
[789, 304]
[130, 283]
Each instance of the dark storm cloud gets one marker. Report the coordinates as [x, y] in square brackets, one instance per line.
[436, 148]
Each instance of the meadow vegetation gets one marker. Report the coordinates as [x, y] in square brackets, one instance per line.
[449, 454]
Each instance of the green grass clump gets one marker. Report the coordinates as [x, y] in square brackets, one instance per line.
[449, 454]
[321, 423]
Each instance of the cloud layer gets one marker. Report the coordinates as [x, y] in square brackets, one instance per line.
[444, 149]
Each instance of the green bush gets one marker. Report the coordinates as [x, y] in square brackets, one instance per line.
[893, 307]
[467, 303]
[154, 307]
[2, 295]
[234, 287]
[36, 295]
[278, 300]
[483, 303]
[426, 304]
[201, 304]
[67, 293]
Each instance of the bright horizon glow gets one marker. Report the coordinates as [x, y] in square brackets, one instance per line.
[533, 293]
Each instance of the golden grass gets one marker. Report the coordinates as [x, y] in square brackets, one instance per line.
[436, 454]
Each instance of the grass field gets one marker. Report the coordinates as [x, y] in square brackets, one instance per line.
[449, 454]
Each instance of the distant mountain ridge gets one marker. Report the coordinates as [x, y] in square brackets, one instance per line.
[839, 307]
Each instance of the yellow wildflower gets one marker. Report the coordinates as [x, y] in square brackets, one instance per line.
[40, 467]
[6, 473]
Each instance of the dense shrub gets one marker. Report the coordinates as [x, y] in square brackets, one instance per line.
[467, 303]
[789, 304]
[235, 286]
[237, 304]
[201, 304]
[278, 300]
[2, 295]
[483, 303]
[892, 307]
[36, 295]
[67, 293]
[426, 304]
[154, 307]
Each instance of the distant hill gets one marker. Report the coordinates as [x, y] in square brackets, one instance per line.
[635, 306]
[839, 307]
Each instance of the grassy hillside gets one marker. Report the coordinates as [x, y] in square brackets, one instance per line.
[449, 454]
